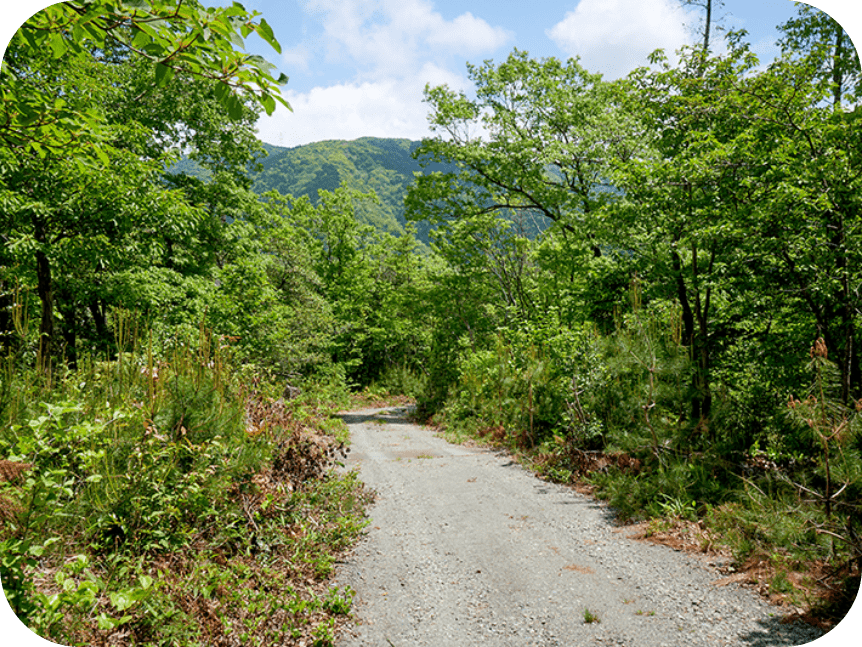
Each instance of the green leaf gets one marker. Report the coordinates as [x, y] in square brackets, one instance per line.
[58, 44]
[235, 10]
[236, 40]
[105, 623]
[36, 550]
[122, 600]
[163, 74]
[265, 32]
[268, 103]
[234, 107]
[103, 158]
[222, 92]
[141, 40]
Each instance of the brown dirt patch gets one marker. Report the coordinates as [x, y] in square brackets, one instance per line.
[585, 570]
[817, 592]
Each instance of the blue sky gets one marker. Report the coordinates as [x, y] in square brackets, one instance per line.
[358, 67]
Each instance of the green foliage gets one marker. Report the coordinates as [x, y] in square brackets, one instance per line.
[525, 381]
[622, 282]
[384, 167]
[128, 463]
[366, 280]
[172, 38]
[90, 212]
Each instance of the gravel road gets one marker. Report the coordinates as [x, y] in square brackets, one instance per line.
[467, 548]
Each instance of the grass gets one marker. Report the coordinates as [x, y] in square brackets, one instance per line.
[173, 502]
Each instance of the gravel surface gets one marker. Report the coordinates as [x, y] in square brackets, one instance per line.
[467, 548]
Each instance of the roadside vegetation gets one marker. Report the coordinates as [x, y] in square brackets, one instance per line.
[173, 350]
[173, 502]
[683, 333]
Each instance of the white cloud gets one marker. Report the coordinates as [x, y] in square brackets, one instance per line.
[383, 108]
[615, 36]
[296, 58]
[386, 37]
[467, 34]
[394, 48]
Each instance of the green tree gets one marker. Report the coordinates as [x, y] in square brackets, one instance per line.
[172, 36]
[365, 278]
[112, 65]
[542, 141]
[814, 36]
[803, 223]
[680, 198]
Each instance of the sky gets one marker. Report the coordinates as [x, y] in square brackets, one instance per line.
[359, 67]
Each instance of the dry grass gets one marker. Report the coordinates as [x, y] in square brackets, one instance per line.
[811, 592]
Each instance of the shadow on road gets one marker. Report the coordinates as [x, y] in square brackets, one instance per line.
[773, 634]
[357, 418]
[388, 415]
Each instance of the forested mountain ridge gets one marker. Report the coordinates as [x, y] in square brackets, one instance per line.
[383, 165]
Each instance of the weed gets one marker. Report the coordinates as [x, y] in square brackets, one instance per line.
[676, 507]
[591, 617]
[226, 491]
[339, 602]
[779, 583]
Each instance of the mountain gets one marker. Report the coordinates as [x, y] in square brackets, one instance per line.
[385, 166]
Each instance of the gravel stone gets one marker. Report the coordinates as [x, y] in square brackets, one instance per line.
[467, 548]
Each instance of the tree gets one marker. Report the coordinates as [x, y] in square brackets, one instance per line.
[815, 36]
[804, 185]
[172, 36]
[542, 142]
[111, 64]
[707, 6]
[363, 279]
[679, 200]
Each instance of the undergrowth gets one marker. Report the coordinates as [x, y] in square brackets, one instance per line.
[174, 501]
[607, 414]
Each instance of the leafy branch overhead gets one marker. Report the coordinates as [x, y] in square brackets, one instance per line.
[172, 36]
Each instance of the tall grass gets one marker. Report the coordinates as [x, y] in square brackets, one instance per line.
[164, 456]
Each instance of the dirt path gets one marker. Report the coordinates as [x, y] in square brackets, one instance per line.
[466, 548]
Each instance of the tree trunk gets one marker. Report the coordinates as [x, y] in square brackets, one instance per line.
[706, 27]
[837, 71]
[69, 327]
[101, 321]
[45, 289]
[701, 399]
